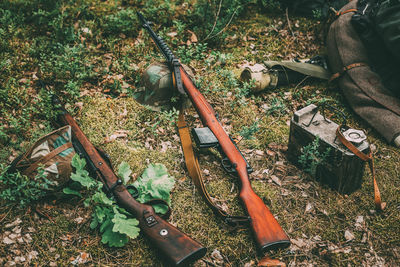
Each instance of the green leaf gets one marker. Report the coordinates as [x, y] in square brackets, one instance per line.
[101, 198]
[100, 213]
[106, 224]
[69, 191]
[124, 225]
[124, 172]
[114, 239]
[83, 178]
[81, 175]
[160, 208]
[78, 163]
[95, 221]
[86, 203]
[155, 182]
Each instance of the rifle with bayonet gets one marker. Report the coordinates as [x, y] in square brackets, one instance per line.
[176, 246]
[267, 231]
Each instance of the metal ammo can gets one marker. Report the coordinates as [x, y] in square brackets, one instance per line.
[341, 170]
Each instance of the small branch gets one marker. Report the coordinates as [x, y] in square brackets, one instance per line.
[215, 21]
[288, 22]
[229, 22]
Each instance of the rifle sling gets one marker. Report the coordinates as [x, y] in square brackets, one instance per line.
[193, 168]
[379, 205]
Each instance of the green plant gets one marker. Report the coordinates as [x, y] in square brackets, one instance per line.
[277, 107]
[270, 4]
[124, 21]
[311, 156]
[191, 52]
[116, 224]
[317, 14]
[20, 189]
[248, 132]
[169, 116]
[211, 18]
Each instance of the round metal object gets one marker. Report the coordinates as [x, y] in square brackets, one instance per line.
[355, 136]
[164, 232]
[158, 86]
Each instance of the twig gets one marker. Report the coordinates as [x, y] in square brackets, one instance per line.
[215, 21]
[208, 262]
[297, 85]
[43, 214]
[6, 215]
[288, 22]
[226, 26]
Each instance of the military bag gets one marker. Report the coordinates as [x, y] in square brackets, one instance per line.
[52, 152]
[350, 62]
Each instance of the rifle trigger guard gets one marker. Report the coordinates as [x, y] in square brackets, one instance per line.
[132, 190]
[227, 165]
[236, 221]
[117, 183]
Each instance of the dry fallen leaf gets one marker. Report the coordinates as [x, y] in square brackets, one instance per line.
[309, 207]
[276, 180]
[123, 114]
[348, 235]
[217, 257]
[172, 34]
[267, 261]
[14, 223]
[82, 258]
[271, 153]
[8, 241]
[249, 264]
[115, 135]
[298, 242]
[193, 37]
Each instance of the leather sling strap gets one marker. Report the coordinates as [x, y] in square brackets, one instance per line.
[46, 158]
[346, 68]
[345, 12]
[379, 205]
[193, 168]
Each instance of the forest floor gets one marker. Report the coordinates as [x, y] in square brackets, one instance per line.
[92, 57]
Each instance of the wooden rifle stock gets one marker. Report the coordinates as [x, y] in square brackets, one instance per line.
[268, 233]
[176, 246]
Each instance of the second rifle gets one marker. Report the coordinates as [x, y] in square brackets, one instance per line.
[267, 231]
[176, 246]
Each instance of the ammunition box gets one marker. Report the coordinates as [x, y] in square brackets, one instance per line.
[341, 170]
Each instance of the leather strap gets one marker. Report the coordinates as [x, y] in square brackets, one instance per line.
[346, 68]
[346, 11]
[193, 168]
[379, 205]
[46, 158]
